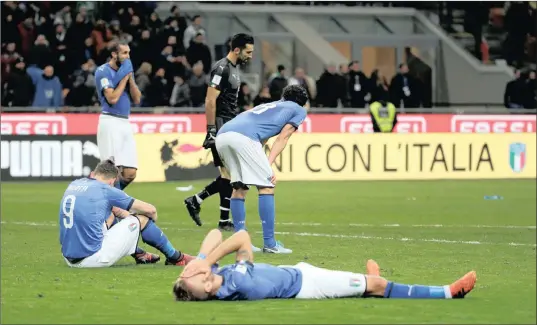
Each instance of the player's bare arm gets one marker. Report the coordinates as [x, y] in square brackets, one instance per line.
[112, 95]
[136, 94]
[146, 209]
[211, 242]
[280, 142]
[239, 242]
[120, 213]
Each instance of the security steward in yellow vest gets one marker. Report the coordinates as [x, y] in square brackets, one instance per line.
[383, 115]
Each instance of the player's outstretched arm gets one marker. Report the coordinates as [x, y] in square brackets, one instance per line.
[112, 95]
[239, 242]
[280, 142]
[141, 207]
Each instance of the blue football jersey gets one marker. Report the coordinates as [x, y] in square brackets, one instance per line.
[104, 78]
[84, 208]
[247, 281]
[266, 120]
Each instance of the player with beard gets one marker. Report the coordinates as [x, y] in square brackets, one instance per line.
[115, 82]
[220, 108]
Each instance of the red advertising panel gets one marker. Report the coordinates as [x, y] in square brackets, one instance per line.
[86, 124]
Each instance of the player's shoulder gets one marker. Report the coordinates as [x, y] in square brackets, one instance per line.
[221, 65]
[103, 69]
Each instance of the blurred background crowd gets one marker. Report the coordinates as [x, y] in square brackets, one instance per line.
[50, 51]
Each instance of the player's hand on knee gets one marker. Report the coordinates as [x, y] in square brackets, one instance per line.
[273, 177]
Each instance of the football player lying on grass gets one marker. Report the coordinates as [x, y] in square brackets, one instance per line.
[245, 280]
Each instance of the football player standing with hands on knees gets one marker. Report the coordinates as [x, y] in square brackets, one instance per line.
[240, 145]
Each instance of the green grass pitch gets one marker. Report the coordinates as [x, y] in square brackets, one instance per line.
[419, 232]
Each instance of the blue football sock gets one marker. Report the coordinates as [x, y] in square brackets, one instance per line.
[396, 290]
[238, 213]
[153, 236]
[267, 214]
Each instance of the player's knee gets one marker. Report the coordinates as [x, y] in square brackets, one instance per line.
[376, 285]
[239, 193]
[265, 190]
[143, 221]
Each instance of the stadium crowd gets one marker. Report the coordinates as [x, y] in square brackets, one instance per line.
[50, 51]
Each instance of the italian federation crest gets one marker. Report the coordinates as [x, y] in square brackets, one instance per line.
[517, 156]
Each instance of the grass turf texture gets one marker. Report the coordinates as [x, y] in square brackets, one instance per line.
[38, 287]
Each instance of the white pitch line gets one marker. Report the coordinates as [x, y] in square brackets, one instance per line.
[404, 239]
[316, 224]
[390, 225]
[307, 234]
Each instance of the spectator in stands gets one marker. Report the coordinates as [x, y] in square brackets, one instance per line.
[358, 85]
[307, 82]
[176, 49]
[11, 16]
[82, 91]
[198, 85]
[106, 52]
[135, 28]
[343, 75]
[101, 35]
[27, 34]
[41, 54]
[180, 94]
[44, 25]
[328, 92]
[59, 49]
[88, 52]
[515, 92]
[199, 51]
[277, 82]
[180, 22]
[244, 99]
[172, 31]
[64, 16]
[263, 97]
[194, 29]
[531, 91]
[154, 24]
[9, 56]
[174, 65]
[143, 80]
[379, 88]
[404, 89]
[158, 92]
[143, 49]
[77, 36]
[19, 90]
[48, 90]
[519, 25]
